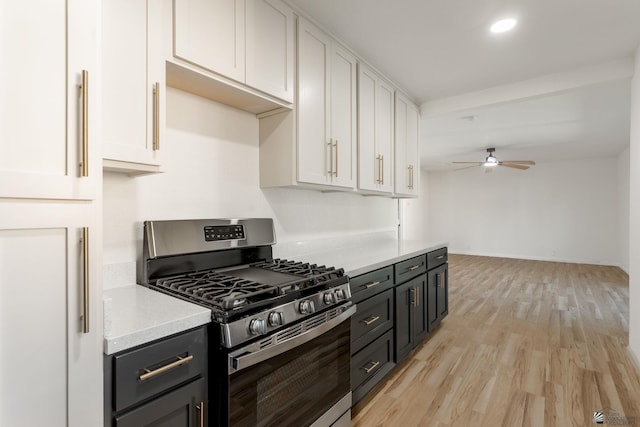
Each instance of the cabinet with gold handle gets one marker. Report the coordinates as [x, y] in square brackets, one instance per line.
[369, 321]
[371, 284]
[85, 280]
[152, 373]
[84, 88]
[200, 409]
[370, 366]
[156, 116]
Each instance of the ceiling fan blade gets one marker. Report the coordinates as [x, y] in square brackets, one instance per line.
[514, 166]
[522, 162]
[475, 163]
[467, 167]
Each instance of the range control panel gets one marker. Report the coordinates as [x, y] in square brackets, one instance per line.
[213, 233]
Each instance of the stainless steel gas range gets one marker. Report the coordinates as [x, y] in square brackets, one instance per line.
[279, 352]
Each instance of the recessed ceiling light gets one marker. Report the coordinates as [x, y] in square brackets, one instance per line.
[503, 25]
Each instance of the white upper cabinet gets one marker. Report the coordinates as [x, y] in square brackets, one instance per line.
[49, 147]
[248, 41]
[314, 145]
[211, 34]
[375, 132]
[407, 158]
[269, 46]
[133, 74]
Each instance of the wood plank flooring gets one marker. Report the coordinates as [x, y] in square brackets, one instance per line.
[526, 343]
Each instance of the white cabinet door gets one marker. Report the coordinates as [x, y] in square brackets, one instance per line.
[47, 127]
[407, 162]
[369, 171]
[343, 119]
[270, 47]
[131, 77]
[51, 370]
[314, 148]
[384, 132]
[211, 34]
[375, 131]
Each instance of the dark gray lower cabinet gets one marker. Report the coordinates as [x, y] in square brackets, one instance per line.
[412, 323]
[163, 383]
[438, 298]
[184, 406]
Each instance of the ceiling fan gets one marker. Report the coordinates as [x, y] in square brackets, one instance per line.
[491, 161]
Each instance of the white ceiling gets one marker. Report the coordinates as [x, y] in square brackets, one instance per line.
[533, 92]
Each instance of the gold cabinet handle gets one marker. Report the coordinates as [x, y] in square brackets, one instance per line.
[440, 257]
[417, 297]
[373, 365]
[200, 409]
[379, 161]
[370, 320]
[413, 267]
[150, 374]
[85, 123]
[85, 280]
[330, 145]
[382, 170]
[413, 298]
[371, 284]
[156, 116]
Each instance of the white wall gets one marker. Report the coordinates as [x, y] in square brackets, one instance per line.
[623, 209]
[634, 215]
[415, 213]
[562, 211]
[212, 171]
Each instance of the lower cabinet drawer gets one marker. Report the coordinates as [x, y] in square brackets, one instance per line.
[373, 318]
[150, 370]
[371, 364]
[410, 268]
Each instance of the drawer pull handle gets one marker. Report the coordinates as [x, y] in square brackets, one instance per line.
[371, 284]
[373, 366]
[371, 320]
[150, 374]
[200, 409]
[413, 267]
[440, 257]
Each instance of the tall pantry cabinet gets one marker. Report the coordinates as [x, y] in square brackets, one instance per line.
[50, 180]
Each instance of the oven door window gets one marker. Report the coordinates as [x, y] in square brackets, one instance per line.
[296, 387]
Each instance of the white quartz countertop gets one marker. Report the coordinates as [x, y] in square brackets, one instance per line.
[135, 315]
[357, 255]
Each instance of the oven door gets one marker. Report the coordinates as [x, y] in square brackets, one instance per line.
[295, 377]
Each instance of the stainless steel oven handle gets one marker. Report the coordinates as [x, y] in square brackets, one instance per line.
[245, 360]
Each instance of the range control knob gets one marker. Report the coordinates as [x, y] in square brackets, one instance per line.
[306, 307]
[257, 327]
[328, 298]
[340, 294]
[275, 318]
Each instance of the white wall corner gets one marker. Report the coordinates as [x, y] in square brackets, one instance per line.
[634, 214]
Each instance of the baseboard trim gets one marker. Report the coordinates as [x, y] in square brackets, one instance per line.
[536, 258]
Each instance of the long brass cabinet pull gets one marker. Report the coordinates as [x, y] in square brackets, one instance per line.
[85, 280]
[379, 170]
[413, 267]
[85, 123]
[414, 297]
[382, 169]
[150, 374]
[373, 365]
[200, 409]
[371, 284]
[156, 116]
[330, 144]
[417, 297]
[370, 320]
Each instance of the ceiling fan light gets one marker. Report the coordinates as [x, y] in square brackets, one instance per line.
[490, 164]
[491, 161]
[503, 25]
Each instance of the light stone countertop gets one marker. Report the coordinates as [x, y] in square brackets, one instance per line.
[135, 315]
[357, 254]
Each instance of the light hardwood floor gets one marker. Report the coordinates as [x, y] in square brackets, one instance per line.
[526, 343]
